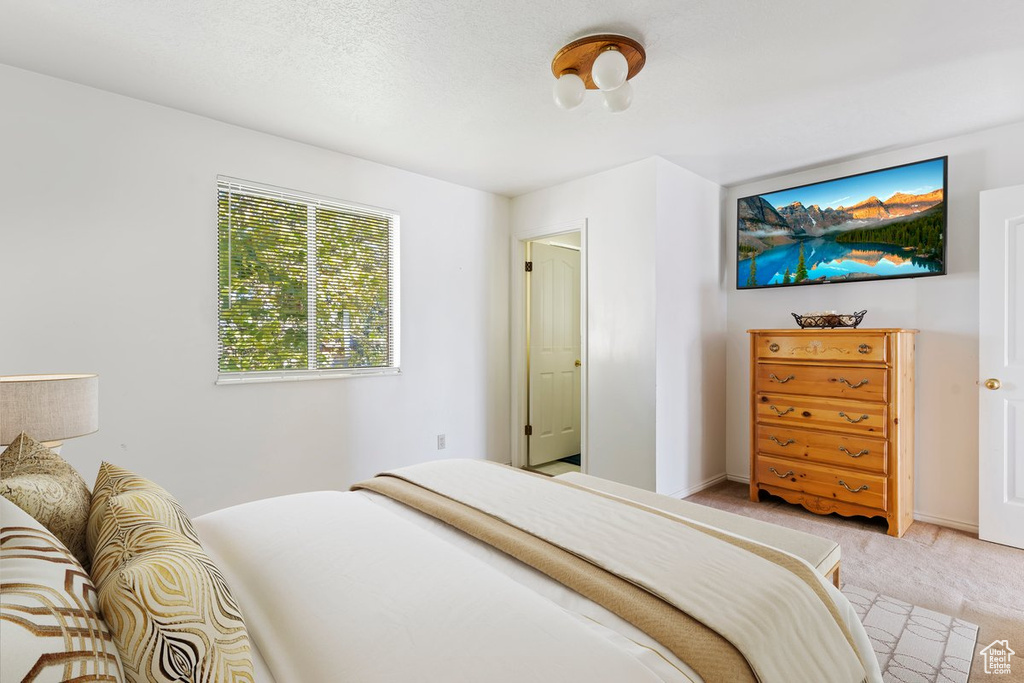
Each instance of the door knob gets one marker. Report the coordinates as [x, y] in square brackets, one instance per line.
[992, 383]
[578, 363]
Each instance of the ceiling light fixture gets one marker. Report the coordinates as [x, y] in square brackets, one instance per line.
[603, 62]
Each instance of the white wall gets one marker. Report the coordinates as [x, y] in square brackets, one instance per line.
[654, 319]
[620, 211]
[690, 393]
[108, 264]
[944, 309]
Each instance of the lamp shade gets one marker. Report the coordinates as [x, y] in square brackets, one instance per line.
[48, 407]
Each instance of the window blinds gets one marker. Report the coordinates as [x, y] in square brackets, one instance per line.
[308, 285]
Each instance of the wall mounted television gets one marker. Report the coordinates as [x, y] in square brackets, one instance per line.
[880, 225]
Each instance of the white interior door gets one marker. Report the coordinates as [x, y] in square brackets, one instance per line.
[554, 353]
[1001, 361]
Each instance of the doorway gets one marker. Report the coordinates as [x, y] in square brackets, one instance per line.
[553, 354]
[549, 351]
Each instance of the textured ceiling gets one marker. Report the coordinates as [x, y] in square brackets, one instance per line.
[461, 90]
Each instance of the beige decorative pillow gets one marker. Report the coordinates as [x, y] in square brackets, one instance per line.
[171, 613]
[50, 624]
[150, 501]
[44, 485]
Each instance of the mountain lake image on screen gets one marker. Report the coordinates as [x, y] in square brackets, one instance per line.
[884, 224]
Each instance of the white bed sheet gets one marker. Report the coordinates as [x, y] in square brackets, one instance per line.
[656, 656]
[260, 668]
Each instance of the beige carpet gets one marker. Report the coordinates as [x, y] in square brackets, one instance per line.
[940, 569]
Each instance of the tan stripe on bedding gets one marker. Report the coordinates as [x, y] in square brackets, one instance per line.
[709, 654]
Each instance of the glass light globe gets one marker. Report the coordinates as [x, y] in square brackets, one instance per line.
[569, 91]
[610, 70]
[619, 99]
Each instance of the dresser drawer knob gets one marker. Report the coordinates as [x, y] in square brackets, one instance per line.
[864, 348]
[785, 443]
[851, 419]
[783, 476]
[780, 381]
[858, 385]
[853, 455]
[790, 409]
[856, 490]
[773, 347]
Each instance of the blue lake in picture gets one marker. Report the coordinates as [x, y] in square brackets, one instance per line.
[826, 259]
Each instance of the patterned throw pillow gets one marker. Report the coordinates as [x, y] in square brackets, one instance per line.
[168, 607]
[151, 501]
[50, 625]
[45, 486]
[135, 522]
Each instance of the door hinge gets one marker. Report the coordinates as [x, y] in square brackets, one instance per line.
[529, 430]
[529, 266]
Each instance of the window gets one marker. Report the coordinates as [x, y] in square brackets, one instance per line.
[308, 285]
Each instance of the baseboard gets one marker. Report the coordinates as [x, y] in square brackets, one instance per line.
[945, 521]
[697, 488]
[738, 479]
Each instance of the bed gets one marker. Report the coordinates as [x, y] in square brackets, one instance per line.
[457, 570]
[378, 585]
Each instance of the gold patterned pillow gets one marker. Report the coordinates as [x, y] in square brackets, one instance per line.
[137, 521]
[45, 486]
[151, 501]
[50, 624]
[172, 615]
[168, 607]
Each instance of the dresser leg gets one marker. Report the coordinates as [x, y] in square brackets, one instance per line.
[753, 493]
[897, 529]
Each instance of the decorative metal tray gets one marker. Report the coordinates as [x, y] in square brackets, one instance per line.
[830, 319]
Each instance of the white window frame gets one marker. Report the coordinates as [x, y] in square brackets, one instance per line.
[252, 376]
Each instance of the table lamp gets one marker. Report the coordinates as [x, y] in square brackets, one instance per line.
[49, 408]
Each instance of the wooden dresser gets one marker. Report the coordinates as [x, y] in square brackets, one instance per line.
[832, 421]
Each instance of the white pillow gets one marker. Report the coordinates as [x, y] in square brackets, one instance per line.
[50, 624]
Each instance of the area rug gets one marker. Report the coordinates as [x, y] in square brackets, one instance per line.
[913, 644]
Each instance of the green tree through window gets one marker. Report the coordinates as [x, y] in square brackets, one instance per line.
[305, 284]
[352, 293]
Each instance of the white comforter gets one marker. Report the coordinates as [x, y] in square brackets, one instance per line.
[356, 587]
[353, 587]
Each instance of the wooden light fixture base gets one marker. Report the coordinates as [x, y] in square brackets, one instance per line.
[579, 55]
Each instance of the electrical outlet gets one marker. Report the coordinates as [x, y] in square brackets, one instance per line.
[440, 442]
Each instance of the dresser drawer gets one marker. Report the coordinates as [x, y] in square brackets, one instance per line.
[840, 450]
[828, 482]
[855, 347]
[833, 414]
[867, 384]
